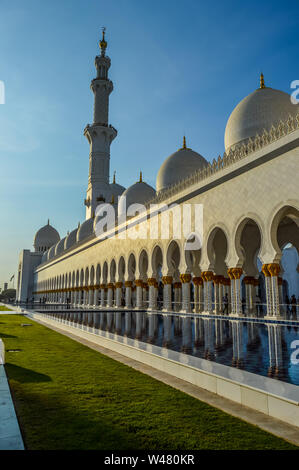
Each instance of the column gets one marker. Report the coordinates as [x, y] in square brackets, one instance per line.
[118, 293]
[110, 287]
[221, 292]
[96, 295]
[186, 279]
[232, 292]
[167, 301]
[237, 273]
[274, 269]
[145, 295]
[153, 286]
[281, 300]
[177, 287]
[139, 293]
[207, 279]
[91, 295]
[268, 287]
[103, 287]
[128, 286]
[216, 281]
[198, 282]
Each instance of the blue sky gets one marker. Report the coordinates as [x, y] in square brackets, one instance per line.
[178, 67]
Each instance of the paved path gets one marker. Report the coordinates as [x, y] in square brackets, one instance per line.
[10, 435]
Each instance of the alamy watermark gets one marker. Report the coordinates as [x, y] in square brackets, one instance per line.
[295, 354]
[295, 93]
[2, 92]
[158, 221]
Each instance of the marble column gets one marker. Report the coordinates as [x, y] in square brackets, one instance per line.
[208, 279]
[232, 309]
[118, 293]
[128, 286]
[216, 281]
[96, 296]
[103, 287]
[186, 304]
[198, 283]
[91, 296]
[139, 293]
[110, 287]
[153, 285]
[237, 273]
[177, 289]
[268, 288]
[274, 269]
[167, 300]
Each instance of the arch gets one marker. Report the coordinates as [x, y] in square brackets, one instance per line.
[157, 261]
[217, 250]
[284, 227]
[112, 270]
[98, 274]
[91, 277]
[121, 269]
[173, 258]
[193, 256]
[143, 264]
[131, 268]
[105, 272]
[248, 242]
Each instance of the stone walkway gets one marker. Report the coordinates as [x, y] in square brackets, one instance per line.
[10, 435]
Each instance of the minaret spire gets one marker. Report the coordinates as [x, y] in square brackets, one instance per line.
[103, 43]
[99, 134]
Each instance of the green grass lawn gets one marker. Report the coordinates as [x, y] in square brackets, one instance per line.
[3, 308]
[68, 396]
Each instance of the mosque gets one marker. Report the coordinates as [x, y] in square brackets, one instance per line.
[250, 201]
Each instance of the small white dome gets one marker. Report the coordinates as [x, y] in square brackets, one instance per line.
[51, 252]
[85, 230]
[45, 237]
[178, 166]
[138, 193]
[60, 246]
[258, 111]
[70, 239]
[116, 190]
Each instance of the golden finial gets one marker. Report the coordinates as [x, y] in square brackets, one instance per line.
[262, 83]
[103, 43]
[114, 177]
[140, 177]
[184, 144]
[112, 199]
[78, 224]
[48, 221]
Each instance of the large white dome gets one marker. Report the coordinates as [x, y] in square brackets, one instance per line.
[258, 111]
[45, 237]
[178, 166]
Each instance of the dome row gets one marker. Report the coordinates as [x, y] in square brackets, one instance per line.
[257, 112]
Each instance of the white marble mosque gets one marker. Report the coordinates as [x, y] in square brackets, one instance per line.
[250, 225]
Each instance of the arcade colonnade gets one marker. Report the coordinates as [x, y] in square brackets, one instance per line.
[168, 277]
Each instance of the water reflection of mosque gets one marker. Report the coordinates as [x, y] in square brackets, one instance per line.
[230, 341]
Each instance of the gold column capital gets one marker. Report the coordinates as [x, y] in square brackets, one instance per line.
[274, 269]
[167, 280]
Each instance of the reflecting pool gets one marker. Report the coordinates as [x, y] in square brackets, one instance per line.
[260, 347]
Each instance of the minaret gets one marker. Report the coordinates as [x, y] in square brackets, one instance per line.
[99, 135]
